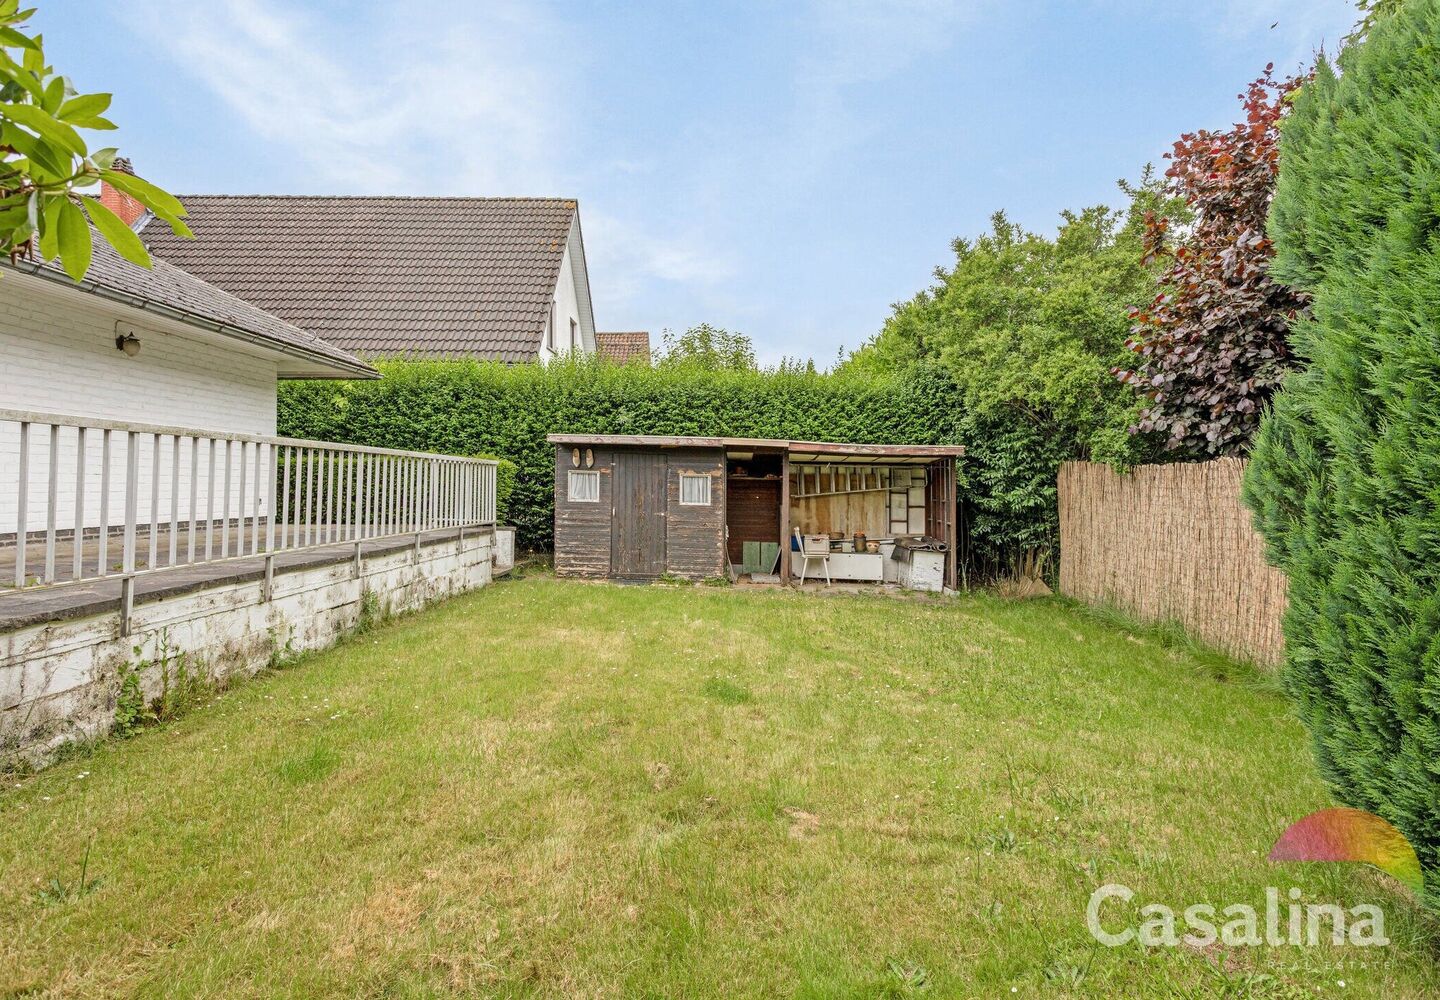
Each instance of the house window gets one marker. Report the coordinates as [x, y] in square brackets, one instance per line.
[550, 329]
[694, 490]
[584, 487]
[574, 334]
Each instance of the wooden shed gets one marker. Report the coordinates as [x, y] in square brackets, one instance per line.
[639, 507]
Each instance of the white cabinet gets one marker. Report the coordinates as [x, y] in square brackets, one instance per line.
[865, 567]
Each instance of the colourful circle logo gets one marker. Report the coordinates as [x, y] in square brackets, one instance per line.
[1351, 835]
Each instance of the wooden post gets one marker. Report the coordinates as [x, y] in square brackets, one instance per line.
[785, 517]
[952, 503]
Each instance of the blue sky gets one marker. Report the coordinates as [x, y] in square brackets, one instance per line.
[785, 169]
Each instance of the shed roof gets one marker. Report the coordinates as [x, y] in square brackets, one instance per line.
[799, 451]
[385, 276]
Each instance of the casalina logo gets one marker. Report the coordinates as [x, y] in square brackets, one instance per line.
[1346, 835]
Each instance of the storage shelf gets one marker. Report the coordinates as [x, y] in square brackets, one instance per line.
[835, 493]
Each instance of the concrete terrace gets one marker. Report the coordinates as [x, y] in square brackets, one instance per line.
[36, 605]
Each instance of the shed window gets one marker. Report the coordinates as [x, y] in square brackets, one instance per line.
[584, 487]
[694, 490]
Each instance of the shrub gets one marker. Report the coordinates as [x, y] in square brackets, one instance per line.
[1345, 467]
[1030, 325]
[1027, 327]
[1214, 342]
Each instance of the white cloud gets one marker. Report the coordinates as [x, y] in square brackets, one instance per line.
[631, 256]
[441, 98]
[1300, 27]
[456, 97]
[427, 100]
[867, 40]
[853, 43]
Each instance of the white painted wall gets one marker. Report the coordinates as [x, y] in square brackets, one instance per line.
[570, 305]
[59, 356]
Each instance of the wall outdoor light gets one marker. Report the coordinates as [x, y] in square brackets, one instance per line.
[126, 341]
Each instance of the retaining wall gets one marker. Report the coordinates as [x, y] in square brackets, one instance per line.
[60, 678]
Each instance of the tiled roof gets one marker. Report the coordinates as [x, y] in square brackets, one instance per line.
[191, 300]
[398, 277]
[623, 347]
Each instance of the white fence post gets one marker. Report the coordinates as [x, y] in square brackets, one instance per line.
[132, 486]
[77, 535]
[22, 526]
[194, 497]
[174, 498]
[101, 568]
[52, 503]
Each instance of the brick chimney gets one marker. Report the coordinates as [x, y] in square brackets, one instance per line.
[117, 201]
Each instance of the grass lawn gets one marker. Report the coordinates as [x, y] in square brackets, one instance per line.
[571, 790]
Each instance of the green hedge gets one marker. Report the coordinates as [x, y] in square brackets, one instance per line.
[467, 408]
[1345, 469]
[506, 474]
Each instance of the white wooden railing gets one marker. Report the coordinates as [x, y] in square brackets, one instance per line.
[127, 498]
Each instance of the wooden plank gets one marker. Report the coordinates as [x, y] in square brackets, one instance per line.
[953, 494]
[877, 450]
[823, 448]
[695, 533]
[636, 440]
[752, 515]
[637, 536]
[785, 517]
[582, 529]
[846, 513]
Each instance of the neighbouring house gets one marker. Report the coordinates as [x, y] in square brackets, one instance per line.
[645, 506]
[623, 348]
[400, 277]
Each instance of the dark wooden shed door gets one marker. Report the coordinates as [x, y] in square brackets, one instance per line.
[637, 531]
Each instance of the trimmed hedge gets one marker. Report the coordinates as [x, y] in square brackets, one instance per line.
[468, 407]
[506, 474]
[1345, 469]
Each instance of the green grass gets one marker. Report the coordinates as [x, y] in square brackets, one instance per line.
[567, 790]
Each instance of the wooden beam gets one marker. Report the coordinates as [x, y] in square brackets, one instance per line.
[819, 449]
[953, 502]
[636, 440]
[785, 518]
[826, 448]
